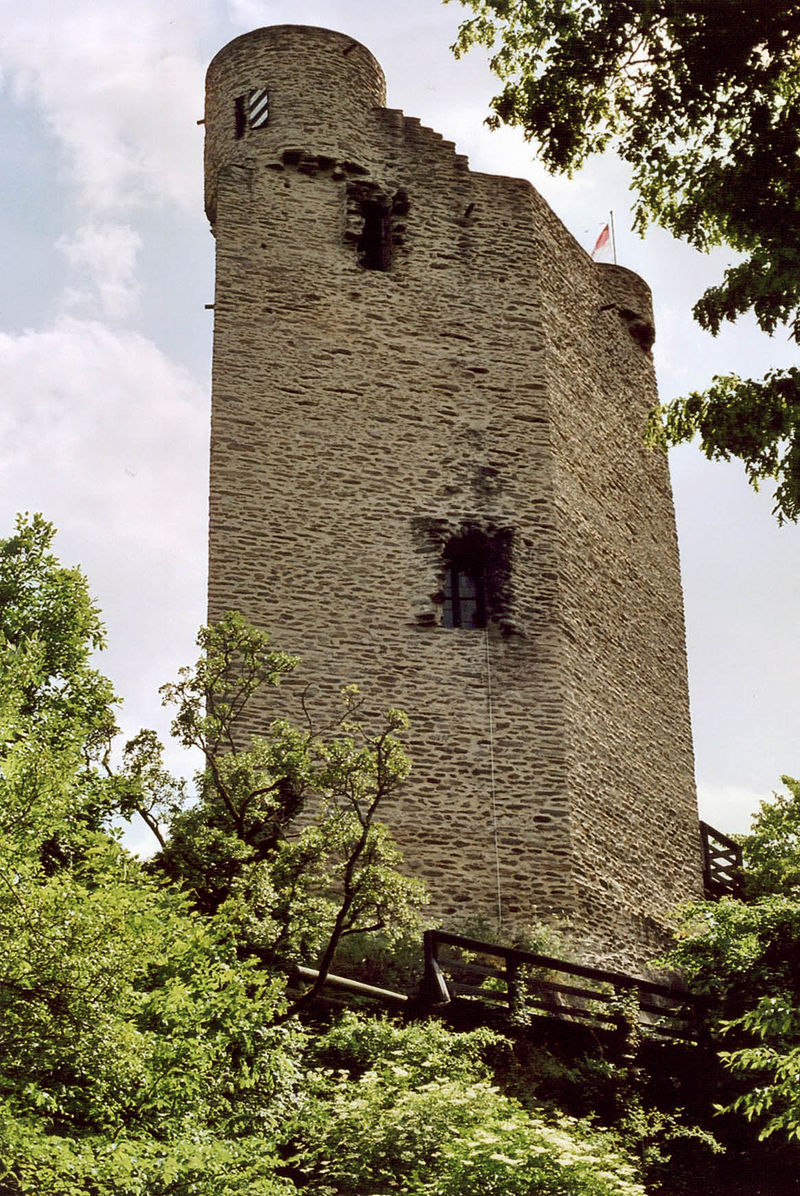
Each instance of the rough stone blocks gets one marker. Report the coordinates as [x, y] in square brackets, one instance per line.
[421, 386]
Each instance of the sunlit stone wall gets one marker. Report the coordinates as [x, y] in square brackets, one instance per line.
[408, 353]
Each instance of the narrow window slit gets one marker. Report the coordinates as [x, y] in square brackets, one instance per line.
[251, 111]
[375, 243]
[239, 117]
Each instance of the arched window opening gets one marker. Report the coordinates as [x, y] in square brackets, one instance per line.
[465, 589]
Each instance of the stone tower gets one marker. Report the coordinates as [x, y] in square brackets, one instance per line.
[428, 477]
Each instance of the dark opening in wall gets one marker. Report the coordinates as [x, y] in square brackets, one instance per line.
[239, 116]
[467, 569]
[466, 563]
[375, 243]
[251, 111]
[375, 223]
[476, 575]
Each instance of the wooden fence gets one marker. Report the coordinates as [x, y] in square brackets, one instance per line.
[722, 863]
[526, 983]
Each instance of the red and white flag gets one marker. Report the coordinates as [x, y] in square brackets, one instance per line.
[603, 244]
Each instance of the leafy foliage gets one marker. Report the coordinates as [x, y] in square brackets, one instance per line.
[743, 956]
[702, 99]
[291, 892]
[136, 1044]
[148, 1044]
[757, 422]
[56, 717]
[771, 851]
[37, 1164]
[415, 1111]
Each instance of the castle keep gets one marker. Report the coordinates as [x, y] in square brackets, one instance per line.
[428, 477]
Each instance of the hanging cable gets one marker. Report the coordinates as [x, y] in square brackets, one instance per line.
[492, 787]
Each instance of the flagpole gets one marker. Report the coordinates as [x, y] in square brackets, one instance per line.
[613, 238]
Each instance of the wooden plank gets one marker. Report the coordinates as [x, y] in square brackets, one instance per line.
[528, 984]
[602, 1018]
[678, 1013]
[710, 833]
[572, 990]
[351, 986]
[608, 1020]
[549, 963]
[567, 1012]
[476, 969]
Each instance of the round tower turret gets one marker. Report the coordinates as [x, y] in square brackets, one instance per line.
[289, 88]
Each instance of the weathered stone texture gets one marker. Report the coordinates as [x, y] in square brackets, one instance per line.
[492, 378]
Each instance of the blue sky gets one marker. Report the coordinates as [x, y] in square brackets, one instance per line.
[105, 345]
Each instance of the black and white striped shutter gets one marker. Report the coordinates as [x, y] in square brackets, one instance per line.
[258, 108]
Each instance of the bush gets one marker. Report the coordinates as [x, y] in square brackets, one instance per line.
[413, 1110]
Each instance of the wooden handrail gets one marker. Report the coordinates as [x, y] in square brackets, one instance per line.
[671, 1003]
[722, 863]
[356, 987]
[550, 963]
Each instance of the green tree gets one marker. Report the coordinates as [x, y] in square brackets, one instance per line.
[702, 99]
[56, 710]
[284, 840]
[145, 1045]
[135, 1043]
[742, 954]
[414, 1109]
[771, 851]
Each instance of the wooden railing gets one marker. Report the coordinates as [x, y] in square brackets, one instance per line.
[722, 863]
[465, 969]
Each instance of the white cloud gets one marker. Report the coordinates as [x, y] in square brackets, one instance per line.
[120, 88]
[100, 429]
[105, 256]
[728, 808]
[105, 423]
[107, 437]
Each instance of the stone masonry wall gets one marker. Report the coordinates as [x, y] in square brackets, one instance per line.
[362, 417]
[633, 803]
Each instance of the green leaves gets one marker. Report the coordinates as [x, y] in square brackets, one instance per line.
[49, 627]
[772, 848]
[236, 662]
[743, 956]
[702, 99]
[757, 422]
[770, 1069]
[56, 720]
[37, 1164]
[284, 844]
[413, 1110]
[136, 1044]
[124, 1009]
